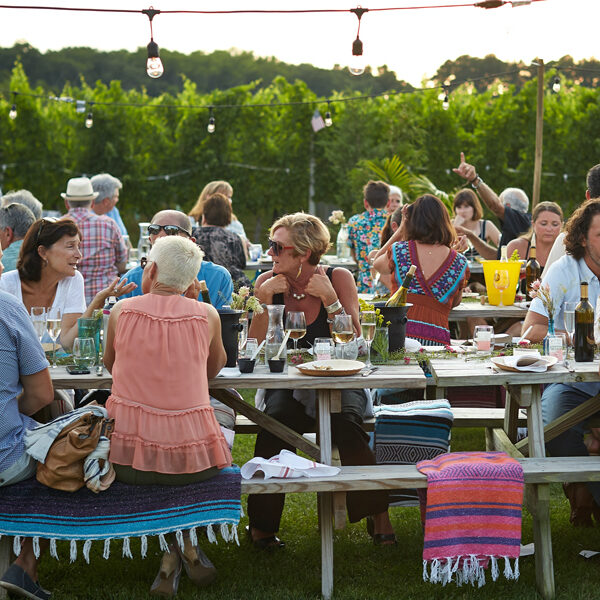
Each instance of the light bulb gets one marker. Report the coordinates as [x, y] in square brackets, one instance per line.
[13, 112]
[357, 62]
[211, 125]
[328, 119]
[89, 121]
[441, 96]
[446, 103]
[556, 84]
[154, 66]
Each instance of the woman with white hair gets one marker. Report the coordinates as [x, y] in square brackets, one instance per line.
[162, 348]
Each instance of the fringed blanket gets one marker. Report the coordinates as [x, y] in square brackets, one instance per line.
[473, 516]
[30, 509]
[410, 432]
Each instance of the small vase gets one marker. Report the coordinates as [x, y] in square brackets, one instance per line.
[547, 342]
[341, 245]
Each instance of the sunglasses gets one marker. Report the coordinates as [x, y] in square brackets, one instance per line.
[143, 262]
[43, 221]
[168, 229]
[277, 248]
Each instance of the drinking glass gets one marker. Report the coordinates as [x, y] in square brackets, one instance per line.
[295, 323]
[53, 320]
[255, 251]
[251, 347]
[501, 282]
[84, 352]
[38, 318]
[368, 322]
[323, 349]
[483, 338]
[569, 315]
[342, 330]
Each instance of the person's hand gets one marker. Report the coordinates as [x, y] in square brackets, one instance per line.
[193, 290]
[465, 170]
[461, 244]
[116, 288]
[320, 286]
[272, 286]
[458, 221]
[462, 231]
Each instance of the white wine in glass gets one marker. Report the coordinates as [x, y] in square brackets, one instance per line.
[342, 330]
[38, 318]
[501, 282]
[368, 321]
[53, 322]
[295, 323]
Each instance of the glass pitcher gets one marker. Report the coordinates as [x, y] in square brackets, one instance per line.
[144, 240]
[275, 332]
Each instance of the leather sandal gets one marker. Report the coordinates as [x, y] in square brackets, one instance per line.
[380, 539]
[271, 542]
[197, 565]
[167, 580]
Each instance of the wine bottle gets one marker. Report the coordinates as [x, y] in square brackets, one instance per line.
[204, 292]
[399, 296]
[503, 254]
[584, 328]
[533, 271]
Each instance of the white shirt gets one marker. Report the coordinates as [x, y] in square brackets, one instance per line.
[70, 294]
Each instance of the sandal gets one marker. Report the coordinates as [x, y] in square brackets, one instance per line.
[380, 539]
[167, 580]
[271, 542]
[198, 566]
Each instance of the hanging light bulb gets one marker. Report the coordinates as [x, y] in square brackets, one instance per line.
[12, 115]
[446, 102]
[211, 122]
[328, 119]
[357, 62]
[89, 121]
[154, 66]
[443, 97]
[556, 84]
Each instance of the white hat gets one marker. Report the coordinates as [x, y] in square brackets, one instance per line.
[79, 189]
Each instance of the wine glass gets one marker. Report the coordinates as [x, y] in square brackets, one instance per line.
[342, 330]
[569, 316]
[501, 282]
[38, 318]
[295, 323]
[53, 321]
[368, 322]
[84, 352]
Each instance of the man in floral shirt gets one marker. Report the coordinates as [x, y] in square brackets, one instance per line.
[364, 230]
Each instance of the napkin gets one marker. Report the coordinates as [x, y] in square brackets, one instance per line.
[527, 362]
[286, 464]
[411, 345]
[229, 372]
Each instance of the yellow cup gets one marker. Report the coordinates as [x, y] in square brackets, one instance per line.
[508, 295]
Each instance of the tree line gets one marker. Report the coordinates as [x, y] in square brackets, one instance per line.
[164, 154]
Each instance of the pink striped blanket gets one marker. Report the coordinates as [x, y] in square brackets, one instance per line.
[473, 516]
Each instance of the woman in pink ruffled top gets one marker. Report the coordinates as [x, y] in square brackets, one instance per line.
[162, 348]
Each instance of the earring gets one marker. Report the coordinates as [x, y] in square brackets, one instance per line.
[45, 262]
[299, 271]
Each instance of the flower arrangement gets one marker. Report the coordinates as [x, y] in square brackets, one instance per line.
[542, 291]
[337, 217]
[243, 300]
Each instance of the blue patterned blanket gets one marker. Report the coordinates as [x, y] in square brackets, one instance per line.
[30, 509]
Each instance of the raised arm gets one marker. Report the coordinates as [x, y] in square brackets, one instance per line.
[486, 193]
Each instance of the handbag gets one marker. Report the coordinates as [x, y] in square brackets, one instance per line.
[63, 468]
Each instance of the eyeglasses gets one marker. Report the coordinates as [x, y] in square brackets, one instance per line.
[277, 248]
[43, 221]
[168, 229]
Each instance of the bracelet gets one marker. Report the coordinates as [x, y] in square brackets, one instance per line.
[476, 182]
[333, 307]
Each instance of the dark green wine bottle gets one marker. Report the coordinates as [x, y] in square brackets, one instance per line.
[533, 271]
[204, 292]
[584, 328]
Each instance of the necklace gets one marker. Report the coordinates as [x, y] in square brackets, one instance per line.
[298, 296]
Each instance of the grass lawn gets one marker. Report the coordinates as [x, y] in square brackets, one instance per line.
[361, 570]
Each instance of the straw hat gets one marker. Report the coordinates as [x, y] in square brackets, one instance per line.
[79, 189]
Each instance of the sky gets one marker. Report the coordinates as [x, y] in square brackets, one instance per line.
[413, 43]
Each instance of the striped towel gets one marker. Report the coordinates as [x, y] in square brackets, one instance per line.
[473, 516]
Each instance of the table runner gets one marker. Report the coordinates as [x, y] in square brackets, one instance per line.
[30, 509]
[473, 516]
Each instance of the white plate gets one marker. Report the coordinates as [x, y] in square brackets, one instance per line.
[331, 368]
[499, 362]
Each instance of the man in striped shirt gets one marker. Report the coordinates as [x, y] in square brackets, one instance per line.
[102, 245]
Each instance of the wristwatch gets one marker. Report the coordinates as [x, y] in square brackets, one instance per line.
[476, 182]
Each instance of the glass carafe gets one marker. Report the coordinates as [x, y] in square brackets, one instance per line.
[144, 240]
[275, 332]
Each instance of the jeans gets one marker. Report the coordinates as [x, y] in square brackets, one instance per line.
[265, 510]
[557, 399]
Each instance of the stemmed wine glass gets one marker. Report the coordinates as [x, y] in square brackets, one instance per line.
[569, 316]
[53, 321]
[38, 318]
[342, 330]
[501, 282]
[368, 321]
[295, 323]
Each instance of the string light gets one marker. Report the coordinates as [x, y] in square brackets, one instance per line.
[89, 121]
[12, 115]
[154, 66]
[211, 122]
[556, 83]
[443, 96]
[328, 119]
[357, 62]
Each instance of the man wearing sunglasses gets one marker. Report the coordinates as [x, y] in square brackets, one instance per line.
[173, 222]
[15, 220]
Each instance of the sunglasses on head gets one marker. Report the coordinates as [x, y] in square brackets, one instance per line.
[168, 229]
[43, 221]
[277, 248]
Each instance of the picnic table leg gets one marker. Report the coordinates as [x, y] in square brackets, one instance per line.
[540, 500]
[5, 558]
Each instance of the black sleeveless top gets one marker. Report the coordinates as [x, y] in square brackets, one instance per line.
[318, 328]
